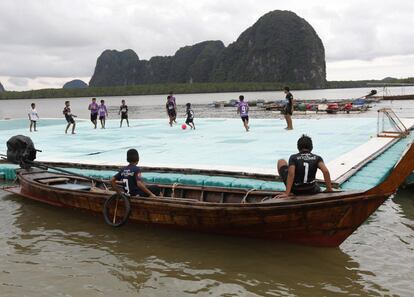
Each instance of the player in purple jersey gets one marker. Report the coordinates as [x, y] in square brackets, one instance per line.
[172, 99]
[130, 178]
[171, 111]
[299, 174]
[243, 110]
[93, 107]
[103, 113]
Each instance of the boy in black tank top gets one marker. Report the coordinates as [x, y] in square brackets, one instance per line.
[288, 109]
[299, 174]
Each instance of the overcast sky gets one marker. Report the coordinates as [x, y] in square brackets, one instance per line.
[45, 43]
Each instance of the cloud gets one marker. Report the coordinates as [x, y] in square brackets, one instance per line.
[18, 81]
[62, 39]
[378, 68]
[22, 84]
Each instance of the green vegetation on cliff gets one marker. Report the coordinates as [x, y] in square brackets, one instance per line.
[341, 84]
[279, 47]
[75, 84]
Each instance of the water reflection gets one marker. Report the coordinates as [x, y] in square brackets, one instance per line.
[80, 255]
[405, 199]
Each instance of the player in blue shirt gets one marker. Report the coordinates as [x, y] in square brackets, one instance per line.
[130, 177]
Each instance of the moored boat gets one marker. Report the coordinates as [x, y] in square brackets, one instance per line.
[325, 219]
[395, 97]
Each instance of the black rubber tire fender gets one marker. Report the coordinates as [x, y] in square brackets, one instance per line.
[127, 213]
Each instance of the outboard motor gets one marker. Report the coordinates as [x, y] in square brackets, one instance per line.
[21, 150]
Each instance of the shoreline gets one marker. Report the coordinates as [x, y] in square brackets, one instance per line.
[183, 88]
[204, 111]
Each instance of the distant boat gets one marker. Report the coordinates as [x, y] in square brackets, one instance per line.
[385, 91]
[395, 97]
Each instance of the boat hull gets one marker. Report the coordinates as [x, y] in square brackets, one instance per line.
[324, 220]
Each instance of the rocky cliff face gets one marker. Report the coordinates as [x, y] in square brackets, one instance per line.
[1, 88]
[280, 47]
[75, 84]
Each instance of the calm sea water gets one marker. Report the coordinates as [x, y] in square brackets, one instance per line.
[153, 106]
[45, 251]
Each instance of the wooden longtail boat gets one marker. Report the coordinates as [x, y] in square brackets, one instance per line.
[325, 219]
[395, 97]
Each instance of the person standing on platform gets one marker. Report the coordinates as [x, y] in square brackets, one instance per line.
[243, 110]
[93, 107]
[123, 111]
[190, 116]
[171, 111]
[103, 113]
[69, 117]
[33, 117]
[172, 99]
[288, 109]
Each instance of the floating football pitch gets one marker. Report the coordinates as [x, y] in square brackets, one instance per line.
[216, 143]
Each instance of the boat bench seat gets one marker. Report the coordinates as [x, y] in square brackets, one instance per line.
[186, 179]
[211, 181]
[55, 180]
[76, 187]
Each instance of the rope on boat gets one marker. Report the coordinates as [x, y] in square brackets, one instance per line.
[266, 198]
[173, 189]
[247, 194]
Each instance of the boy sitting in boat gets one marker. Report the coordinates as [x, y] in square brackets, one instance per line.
[299, 174]
[130, 177]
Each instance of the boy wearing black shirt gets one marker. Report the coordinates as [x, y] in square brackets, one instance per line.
[123, 111]
[69, 117]
[190, 116]
[288, 110]
[130, 177]
[299, 174]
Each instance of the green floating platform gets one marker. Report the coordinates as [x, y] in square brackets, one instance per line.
[367, 177]
[375, 172]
